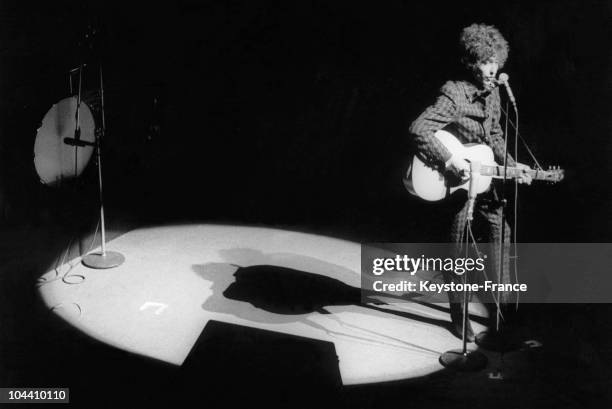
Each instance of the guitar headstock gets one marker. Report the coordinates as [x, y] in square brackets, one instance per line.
[554, 174]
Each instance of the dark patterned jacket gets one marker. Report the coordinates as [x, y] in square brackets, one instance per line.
[466, 112]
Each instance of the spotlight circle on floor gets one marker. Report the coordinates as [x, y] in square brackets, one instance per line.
[177, 278]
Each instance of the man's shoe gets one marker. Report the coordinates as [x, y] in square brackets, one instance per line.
[504, 340]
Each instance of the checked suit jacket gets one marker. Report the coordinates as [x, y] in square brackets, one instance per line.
[472, 115]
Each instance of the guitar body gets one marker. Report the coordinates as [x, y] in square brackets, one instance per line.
[426, 182]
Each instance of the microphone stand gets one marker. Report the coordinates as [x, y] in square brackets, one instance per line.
[104, 259]
[462, 359]
[497, 342]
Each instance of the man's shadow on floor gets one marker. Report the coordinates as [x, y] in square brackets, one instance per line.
[288, 292]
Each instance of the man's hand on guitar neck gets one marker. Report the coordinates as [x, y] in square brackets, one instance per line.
[525, 177]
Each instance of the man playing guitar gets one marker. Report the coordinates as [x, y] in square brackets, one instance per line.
[470, 109]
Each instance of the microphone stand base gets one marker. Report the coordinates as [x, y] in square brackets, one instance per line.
[110, 259]
[470, 361]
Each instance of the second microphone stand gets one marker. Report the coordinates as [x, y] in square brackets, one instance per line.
[104, 259]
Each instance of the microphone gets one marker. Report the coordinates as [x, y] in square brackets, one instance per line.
[78, 68]
[503, 79]
[77, 142]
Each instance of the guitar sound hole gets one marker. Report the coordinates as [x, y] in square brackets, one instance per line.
[452, 180]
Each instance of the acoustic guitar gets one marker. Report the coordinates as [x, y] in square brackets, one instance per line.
[428, 183]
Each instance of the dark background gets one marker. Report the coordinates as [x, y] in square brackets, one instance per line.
[294, 113]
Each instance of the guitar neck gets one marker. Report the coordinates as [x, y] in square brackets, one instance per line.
[497, 171]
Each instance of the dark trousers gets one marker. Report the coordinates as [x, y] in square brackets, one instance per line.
[486, 228]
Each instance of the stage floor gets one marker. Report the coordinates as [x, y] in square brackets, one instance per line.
[177, 278]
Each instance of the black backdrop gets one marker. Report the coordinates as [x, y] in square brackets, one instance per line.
[294, 113]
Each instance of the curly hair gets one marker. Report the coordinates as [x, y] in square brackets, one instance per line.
[479, 42]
